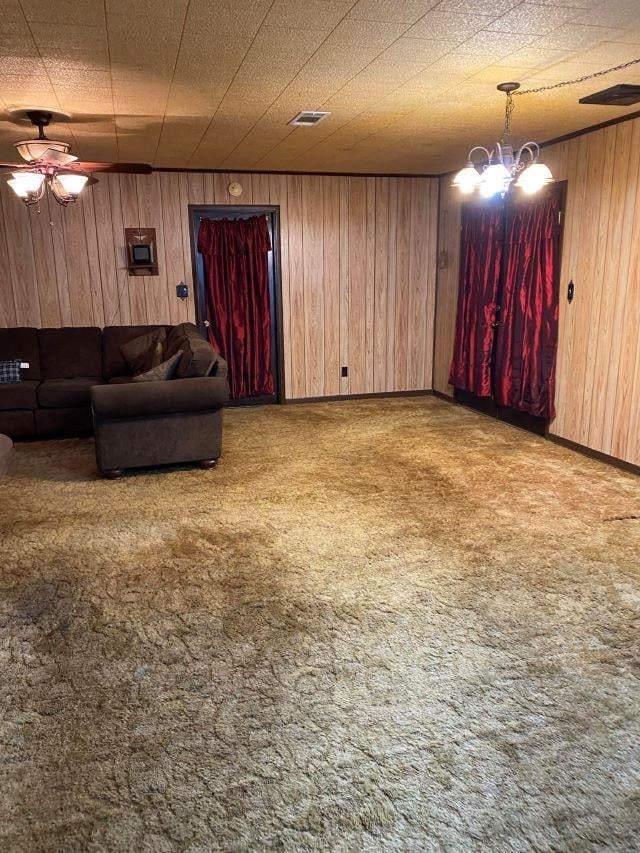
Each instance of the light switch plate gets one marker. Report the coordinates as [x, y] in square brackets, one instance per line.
[24, 365]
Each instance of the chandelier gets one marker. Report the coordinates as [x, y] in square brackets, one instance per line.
[501, 166]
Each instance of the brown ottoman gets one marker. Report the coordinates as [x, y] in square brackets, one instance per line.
[5, 449]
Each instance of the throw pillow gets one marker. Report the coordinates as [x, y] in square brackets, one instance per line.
[198, 359]
[160, 372]
[145, 352]
[10, 370]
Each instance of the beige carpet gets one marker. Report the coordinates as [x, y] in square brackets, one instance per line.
[377, 626]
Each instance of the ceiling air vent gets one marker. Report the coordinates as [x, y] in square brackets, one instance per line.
[622, 95]
[307, 118]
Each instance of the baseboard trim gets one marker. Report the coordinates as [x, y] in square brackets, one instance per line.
[442, 396]
[629, 467]
[582, 449]
[374, 396]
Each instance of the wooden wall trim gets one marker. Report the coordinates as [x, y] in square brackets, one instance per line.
[426, 392]
[433, 175]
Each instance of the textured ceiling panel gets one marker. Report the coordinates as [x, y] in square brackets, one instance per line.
[213, 83]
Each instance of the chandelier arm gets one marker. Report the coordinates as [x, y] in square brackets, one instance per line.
[528, 146]
[480, 148]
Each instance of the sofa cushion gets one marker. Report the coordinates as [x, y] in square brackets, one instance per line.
[18, 423]
[18, 395]
[21, 343]
[67, 393]
[144, 352]
[120, 380]
[113, 337]
[67, 353]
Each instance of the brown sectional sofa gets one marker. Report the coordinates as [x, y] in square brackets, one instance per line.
[78, 380]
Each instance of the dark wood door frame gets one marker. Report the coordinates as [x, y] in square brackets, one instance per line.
[198, 212]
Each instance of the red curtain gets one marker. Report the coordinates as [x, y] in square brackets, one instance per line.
[235, 255]
[480, 260]
[525, 354]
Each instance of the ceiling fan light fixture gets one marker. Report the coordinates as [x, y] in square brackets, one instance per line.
[26, 183]
[72, 184]
[33, 149]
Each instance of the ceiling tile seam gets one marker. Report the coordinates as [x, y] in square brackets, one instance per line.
[173, 74]
[113, 104]
[417, 109]
[47, 75]
[292, 80]
[237, 71]
[408, 80]
[337, 91]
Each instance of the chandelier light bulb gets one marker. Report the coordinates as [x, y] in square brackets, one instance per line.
[495, 179]
[467, 179]
[534, 178]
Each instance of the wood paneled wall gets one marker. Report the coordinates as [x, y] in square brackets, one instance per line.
[358, 268]
[598, 366]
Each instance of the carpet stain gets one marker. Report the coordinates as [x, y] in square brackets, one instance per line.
[378, 625]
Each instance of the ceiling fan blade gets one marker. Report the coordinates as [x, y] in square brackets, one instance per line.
[15, 167]
[132, 168]
[57, 158]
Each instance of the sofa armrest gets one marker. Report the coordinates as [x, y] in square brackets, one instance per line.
[137, 399]
[220, 369]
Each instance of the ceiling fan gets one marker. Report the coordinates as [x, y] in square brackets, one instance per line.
[50, 165]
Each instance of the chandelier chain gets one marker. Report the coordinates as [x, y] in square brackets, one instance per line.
[508, 112]
[586, 77]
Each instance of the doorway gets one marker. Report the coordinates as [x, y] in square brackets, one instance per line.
[494, 346]
[206, 323]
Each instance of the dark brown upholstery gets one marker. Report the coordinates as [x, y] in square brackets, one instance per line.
[159, 398]
[158, 440]
[67, 353]
[135, 424]
[18, 395]
[113, 337]
[66, 393]
[70, 421]
[18, 423]
[21, 343]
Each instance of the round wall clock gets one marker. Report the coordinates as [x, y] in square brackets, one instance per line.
[235, 189]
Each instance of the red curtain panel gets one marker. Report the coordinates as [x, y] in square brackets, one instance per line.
[480, 260]
[235, 255]
[525, 356]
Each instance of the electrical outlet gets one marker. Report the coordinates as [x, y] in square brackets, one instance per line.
[345, 370]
